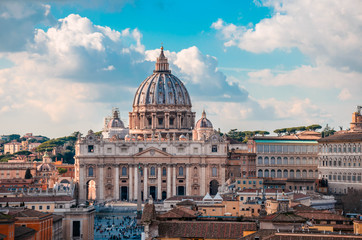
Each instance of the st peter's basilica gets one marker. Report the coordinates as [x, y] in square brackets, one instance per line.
[163, 152]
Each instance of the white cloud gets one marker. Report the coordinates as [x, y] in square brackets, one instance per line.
[328, 31]
[344, 94]
[201, 74]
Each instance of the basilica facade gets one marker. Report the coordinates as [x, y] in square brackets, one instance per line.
[163, 153]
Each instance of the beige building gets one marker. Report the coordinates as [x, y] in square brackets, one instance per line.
[165, 153]
[340, 157]
[292, 156]
[12, 147]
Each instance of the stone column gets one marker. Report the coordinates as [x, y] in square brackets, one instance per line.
[130, 121]
[159, 188]
[222, 169]
[142, 121]
[178, 120]
[135, 183]
[116, 182]
[174, 180]
[130, 182]
[188, 180]
[167, 120]
[82, 184]
[169, 181]
[100, 182]
[203, 179]
[145, 180]
[154, 123]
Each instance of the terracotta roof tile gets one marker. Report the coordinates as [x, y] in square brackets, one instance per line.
[210, 230]
[343, 136]
[178, 213]
[23, 232]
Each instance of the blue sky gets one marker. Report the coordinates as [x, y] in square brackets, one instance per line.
[252, 65]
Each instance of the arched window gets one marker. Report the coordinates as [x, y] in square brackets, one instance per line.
[260, 161]
[272, 173]
[285, 173]
[180, 171]
[266, 173]
[272, 160]
[279, 161]
[214, 172]
[90, 172]
[285, 161]
[124, 171]
[260, 173]
[164, 172]
[266, 161]
[152, 171]
[291, 161]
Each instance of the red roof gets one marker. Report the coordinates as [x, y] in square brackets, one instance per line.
[206, 230]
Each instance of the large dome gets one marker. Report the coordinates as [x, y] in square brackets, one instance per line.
[162, 88]
[162, 105]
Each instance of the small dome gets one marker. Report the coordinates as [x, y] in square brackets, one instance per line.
[45, 167]
[182, 138]
[115, 122]
[203, 122]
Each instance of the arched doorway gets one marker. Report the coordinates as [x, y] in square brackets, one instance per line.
[91, 190]
[153, 192]
[124, 193]
[214, 186]
[180, 190]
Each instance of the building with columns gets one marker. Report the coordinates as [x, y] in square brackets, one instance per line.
[164, 154]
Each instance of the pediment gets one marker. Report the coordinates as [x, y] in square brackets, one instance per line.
[152, 152]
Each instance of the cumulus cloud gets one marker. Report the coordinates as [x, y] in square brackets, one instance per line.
[327, 31]
[201, 75]
[17, 21]
[72, 69]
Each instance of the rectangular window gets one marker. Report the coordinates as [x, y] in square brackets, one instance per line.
[272, 148]
[164, 149]
[160, 121]
[214, 148]
[259, 148]
[76, 228]
[196, 150]
[90, 148]
[180, 150]
[266, 148]
[109, 150]
[48, 207]
[140, 149]
[40, 207]
[171, 121]
[123, 150]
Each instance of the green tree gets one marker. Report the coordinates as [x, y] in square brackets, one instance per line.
[301, 128]
[28, 174]
[278, 131]
[314, 127]
[62, 170]
[24, 152]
